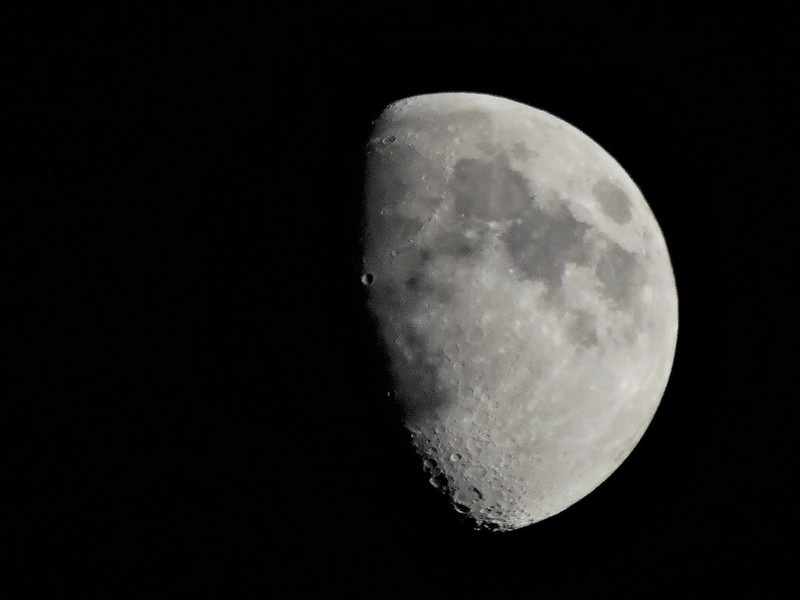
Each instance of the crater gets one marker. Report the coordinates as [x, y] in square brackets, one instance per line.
[613, 201]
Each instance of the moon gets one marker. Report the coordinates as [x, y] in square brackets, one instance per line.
[523, 294]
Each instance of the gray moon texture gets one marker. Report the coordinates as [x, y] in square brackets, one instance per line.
[524, 296]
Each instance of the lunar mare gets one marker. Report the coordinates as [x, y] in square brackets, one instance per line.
[523, 293]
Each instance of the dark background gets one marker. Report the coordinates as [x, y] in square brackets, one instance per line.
[196, 403]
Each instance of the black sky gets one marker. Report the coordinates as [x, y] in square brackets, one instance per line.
[196, 402]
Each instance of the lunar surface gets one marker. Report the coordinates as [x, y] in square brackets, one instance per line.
[524, 296]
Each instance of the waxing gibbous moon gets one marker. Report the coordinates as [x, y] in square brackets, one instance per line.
[523, 293]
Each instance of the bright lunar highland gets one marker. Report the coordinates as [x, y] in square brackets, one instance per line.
[524, 296]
